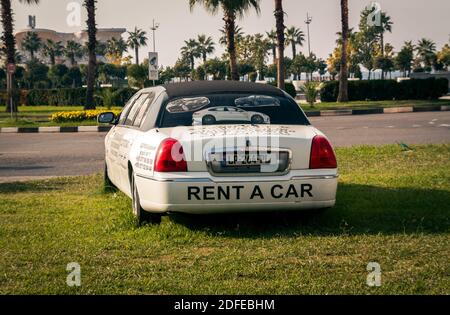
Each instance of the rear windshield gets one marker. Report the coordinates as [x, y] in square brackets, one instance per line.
[224, 109]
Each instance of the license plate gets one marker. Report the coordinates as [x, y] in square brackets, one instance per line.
[244, 158]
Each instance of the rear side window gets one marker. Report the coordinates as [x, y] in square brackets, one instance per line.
[127, 107]
[143, 111]
[135, 109]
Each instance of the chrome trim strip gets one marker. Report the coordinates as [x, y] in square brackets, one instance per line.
[251, 180]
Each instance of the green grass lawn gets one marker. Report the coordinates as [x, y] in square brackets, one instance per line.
[38, 116]
[373, 104]
[393, 208]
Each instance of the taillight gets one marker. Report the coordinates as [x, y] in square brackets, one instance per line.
[170, 157]
[322, 154]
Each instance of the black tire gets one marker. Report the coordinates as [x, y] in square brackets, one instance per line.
[108, 185]
[257, 119]
[208, 120]
[141, 215]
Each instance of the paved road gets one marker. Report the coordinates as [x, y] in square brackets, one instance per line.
[35, 156]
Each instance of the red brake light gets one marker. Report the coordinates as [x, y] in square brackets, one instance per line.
[170, 157]
[322, 154]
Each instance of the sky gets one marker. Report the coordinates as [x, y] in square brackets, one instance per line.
[413, 19]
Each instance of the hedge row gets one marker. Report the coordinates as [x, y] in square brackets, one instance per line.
[384, 90]
[66, 97]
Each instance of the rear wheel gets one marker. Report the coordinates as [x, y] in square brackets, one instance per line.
[141, 215]
[257, 119]
[108, 185]
[208, 120]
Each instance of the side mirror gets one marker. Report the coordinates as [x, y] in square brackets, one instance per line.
[106, 118]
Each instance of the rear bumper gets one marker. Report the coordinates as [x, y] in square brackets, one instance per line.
[204, 195]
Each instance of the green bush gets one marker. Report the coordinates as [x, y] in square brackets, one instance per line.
[289, 88]
[384, 90]
[73, 97]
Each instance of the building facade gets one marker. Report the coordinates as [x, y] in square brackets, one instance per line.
[103, 35]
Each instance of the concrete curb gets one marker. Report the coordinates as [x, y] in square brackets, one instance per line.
[55, 129]
[327, 113]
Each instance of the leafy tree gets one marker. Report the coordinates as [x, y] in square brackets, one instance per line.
[205, 46]
[137, 39]
[137, 75]
[73, 77]
[52, 49]
[231, 10]
[36, 75]
[299, 65]
[311, 91]
[321, 66]
[167, 75]
[92, 47]
[32, 43]
[73, 52]
[190, 51]
[2, 78]
[217, 68]
[56, 74]
[182, 68]
[246, 69]
[443, 56]
[386, 26]
[259, 48]
[403, 60]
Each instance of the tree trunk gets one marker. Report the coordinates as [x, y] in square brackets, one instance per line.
[382, 52]
[230, 20]
[136, 51]
[294, 51]
[9, 43]
[343, 76]
[92, 34]
[279, 18]
[274, 52]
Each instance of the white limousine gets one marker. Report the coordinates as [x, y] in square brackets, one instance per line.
[168, 158]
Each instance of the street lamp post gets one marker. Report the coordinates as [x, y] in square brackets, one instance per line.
[154, 28]
[308, 22]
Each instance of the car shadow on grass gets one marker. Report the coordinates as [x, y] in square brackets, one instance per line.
[33, 186]
[360, 209]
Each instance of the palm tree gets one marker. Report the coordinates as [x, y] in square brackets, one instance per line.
[343, 75]
[238, 35]
[32, 43]
[205, 46]
[272, 38]
[52, 49]
[231, 10]
[73, 51]
[136, 40]
[294, 37]
[8, 39]
[426, 50]
[280, 27]
[92, 43]
[190, 51]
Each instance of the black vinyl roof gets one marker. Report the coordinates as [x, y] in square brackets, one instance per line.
[196, 88]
